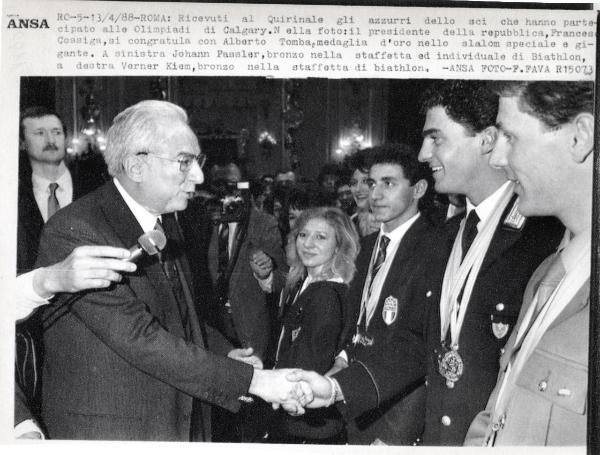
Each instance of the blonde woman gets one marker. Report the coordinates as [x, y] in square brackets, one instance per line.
[326, 242]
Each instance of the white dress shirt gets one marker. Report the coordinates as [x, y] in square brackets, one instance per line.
[41, 192]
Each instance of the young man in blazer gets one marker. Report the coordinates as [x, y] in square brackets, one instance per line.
[472, 290]
[546, 147]
[381, 292]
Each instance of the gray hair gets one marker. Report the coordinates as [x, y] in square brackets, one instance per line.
[143, 127]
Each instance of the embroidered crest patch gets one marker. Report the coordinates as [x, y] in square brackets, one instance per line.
[390, 310]
[500, 330]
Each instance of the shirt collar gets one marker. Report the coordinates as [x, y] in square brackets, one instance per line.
[397, 234]
[146, 219]
[485, 209]
[571, 249]
[64, 181]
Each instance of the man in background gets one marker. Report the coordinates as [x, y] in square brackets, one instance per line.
[46, 184]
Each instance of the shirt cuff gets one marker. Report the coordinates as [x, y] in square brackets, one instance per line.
[343, 355]
[27, 299]
[339, 395]
[27, 426]
[265, 284]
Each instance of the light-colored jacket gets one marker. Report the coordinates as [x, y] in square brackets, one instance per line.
[549, 403]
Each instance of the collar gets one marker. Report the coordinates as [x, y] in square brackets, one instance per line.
[571, 249]
[64, 181]
[146, 219]
[485, 208]
[397, 234]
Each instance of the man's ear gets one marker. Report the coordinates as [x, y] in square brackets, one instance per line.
[419, 189]
[134, 167]
[582, 142]
[488, 139]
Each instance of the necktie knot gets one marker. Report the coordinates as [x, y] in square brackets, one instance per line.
[469, 232]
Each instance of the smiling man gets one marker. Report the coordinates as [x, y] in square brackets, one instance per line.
[546, 148]
[474, 284]
[130, 362]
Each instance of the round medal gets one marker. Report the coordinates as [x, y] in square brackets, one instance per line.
[451, 367]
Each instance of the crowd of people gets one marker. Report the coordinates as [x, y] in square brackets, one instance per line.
[406, 297]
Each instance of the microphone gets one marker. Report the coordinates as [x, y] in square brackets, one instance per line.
[151, 243]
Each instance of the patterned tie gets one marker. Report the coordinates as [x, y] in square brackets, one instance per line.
[53, 204]
[469, 233]
[380, 258]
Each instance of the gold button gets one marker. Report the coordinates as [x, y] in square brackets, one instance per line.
[500, 307]
[542, 386]
[428, 294]
[446, 421]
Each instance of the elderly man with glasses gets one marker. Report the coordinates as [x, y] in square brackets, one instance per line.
[130, 362]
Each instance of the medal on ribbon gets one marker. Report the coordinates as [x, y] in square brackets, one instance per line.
[451, 366]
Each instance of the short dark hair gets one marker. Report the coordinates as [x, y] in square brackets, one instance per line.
[471, 103]
[38, 112]
[329, 169]
[404, 156]
[553, 103]
[358, 161]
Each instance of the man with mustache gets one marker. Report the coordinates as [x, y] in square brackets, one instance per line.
[46, 184]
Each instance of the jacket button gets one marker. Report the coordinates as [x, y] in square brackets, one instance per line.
[500, 307]
[446, 421]
[542, 385]
[428, 294]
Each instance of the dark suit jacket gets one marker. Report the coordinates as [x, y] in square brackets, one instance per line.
[251, 315]
[120, 364]
[511, 258]
[400, 419]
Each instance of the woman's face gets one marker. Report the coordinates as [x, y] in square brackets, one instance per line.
[316, 245]
[360, 189]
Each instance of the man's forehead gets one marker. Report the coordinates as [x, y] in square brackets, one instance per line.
[437, 119]
[382, 171]
[44, 121]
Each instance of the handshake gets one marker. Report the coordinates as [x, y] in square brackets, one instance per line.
[292, 389]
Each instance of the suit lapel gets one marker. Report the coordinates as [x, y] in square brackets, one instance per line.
[504, 237]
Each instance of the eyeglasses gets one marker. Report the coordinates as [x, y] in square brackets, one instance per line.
[185, 161]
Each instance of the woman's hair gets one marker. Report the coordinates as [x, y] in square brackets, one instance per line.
[346, 239]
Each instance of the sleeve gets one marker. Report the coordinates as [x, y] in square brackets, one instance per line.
[122, 321]
[315, 347]
[377, 375]
[27, 300]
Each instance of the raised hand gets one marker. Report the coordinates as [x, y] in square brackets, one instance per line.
[261, 264]
[87, 267]
[246, 356]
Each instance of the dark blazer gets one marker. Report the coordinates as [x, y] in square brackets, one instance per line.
[511, 258]
[400, 419]
[312, 326]
[251, 315]
[121, 363]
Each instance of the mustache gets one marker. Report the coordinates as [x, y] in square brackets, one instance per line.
[50, 147]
